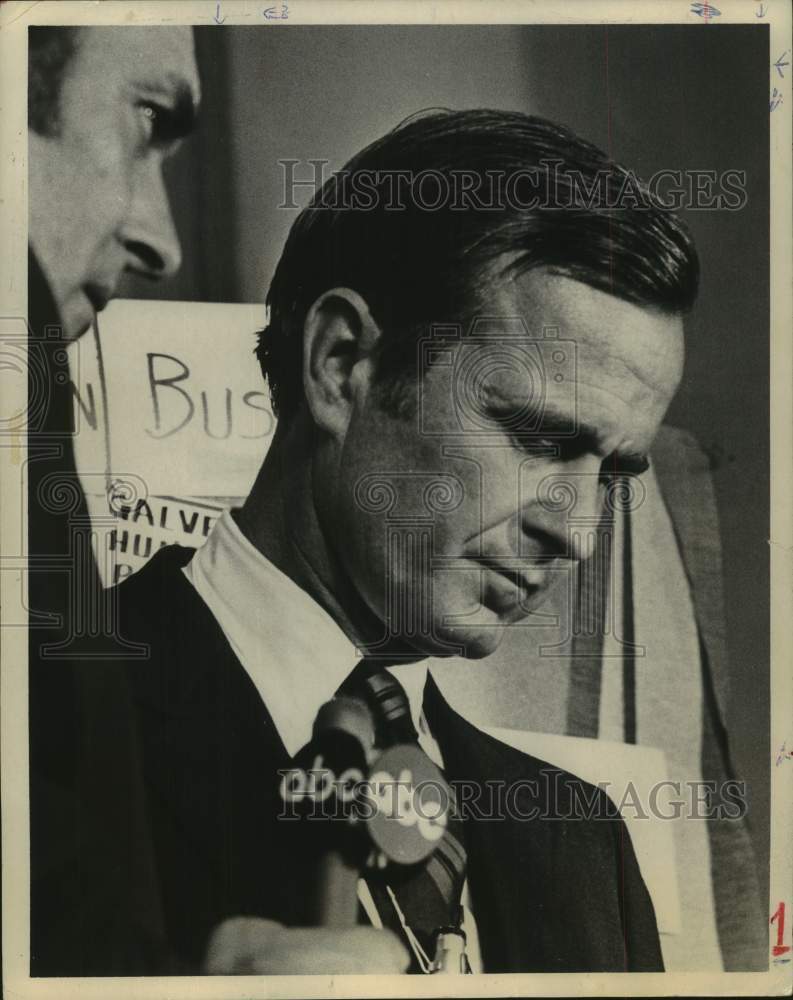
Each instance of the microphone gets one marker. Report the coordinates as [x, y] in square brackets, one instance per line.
[366, 805]
[342, 742]
[336, 901]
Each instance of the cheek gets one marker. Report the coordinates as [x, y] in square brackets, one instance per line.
[402, 500]
[492, 482]
[361, 543]
[353, 504]
[113, 192]
[107, 178]
[99, 199]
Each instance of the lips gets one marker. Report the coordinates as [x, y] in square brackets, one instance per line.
[514, 568]
[521, 586]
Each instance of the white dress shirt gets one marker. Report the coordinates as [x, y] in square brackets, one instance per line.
[294, 652]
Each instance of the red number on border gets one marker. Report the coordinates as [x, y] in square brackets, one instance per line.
[779, 918]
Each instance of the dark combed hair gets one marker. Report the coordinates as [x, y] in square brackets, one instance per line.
[49, 52]
[416, 267]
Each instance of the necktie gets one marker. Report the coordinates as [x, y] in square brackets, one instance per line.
[428, 894]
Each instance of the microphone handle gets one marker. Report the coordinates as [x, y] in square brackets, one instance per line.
[337, 891]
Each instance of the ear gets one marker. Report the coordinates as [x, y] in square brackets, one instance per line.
[339, 341]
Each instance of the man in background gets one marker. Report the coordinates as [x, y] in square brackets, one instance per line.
[106, 107]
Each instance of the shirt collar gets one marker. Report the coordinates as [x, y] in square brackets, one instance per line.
[295, 653]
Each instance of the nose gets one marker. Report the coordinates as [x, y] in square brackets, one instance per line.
[566, 507]
[149, 234]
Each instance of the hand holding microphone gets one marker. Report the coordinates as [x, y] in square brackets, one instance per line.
[343, 741]
[370, 799]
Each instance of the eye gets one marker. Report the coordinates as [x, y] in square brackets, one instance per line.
[149, 113]
[623, 465]
[539, 448]
[157, 123]
[524, 439]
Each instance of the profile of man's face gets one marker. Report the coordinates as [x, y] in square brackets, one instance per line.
[450, 565]
[98, 205]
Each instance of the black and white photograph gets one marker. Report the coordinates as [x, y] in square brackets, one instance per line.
[397, 543]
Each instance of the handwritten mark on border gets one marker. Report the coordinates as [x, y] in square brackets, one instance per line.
[783, 754]
[705, 10]
[779, 949]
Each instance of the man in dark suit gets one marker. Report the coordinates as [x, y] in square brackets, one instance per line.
[478, 311]
[106, 107]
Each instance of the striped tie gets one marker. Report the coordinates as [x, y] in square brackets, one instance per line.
[429, 893]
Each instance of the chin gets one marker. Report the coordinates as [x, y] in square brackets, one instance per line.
[470, 642]
[77, 317]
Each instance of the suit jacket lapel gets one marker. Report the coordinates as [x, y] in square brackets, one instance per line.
[552, 891]
[211, 761]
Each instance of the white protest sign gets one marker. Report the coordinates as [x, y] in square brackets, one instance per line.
[173, 421]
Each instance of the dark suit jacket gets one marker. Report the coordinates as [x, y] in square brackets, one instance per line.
[556, 894]
[83, 738]
[548, 897]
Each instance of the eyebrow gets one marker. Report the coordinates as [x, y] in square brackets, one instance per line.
[585, 438]
[552, 422]
[184, 112]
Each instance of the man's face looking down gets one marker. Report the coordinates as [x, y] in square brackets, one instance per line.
[500, 537]
[98, 205]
